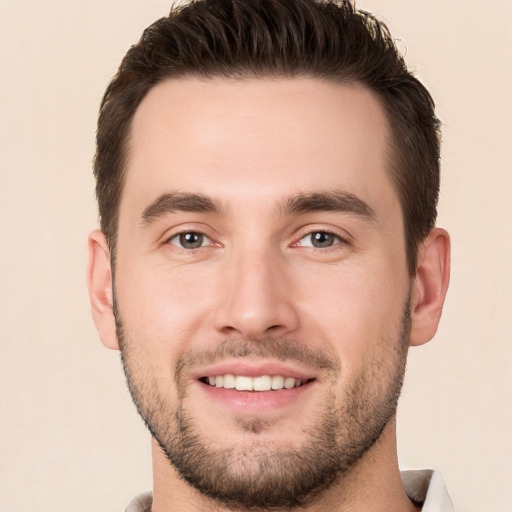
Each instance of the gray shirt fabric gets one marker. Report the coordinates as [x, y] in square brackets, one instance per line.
[422, 486]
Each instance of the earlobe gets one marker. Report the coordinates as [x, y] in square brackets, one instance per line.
[99, 283]
[430, 285]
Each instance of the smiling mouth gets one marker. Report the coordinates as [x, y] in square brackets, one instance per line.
[260, 383]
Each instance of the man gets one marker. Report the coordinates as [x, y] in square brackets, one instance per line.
[267, 177]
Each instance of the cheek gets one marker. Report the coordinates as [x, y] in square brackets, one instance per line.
[161, 308]
[357, 311]
[151, 318]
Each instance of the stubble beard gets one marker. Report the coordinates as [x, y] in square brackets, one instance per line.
[254, 476]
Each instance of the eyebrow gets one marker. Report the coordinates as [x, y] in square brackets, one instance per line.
[332, 201]
[185, 202]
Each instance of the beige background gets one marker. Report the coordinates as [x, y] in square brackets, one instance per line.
[69, 436]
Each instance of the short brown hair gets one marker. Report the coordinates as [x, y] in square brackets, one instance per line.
[323, 39]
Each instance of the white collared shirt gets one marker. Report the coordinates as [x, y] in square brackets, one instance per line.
[427, 487]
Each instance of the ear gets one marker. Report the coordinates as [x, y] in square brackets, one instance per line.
[430, 285]
[99, 282]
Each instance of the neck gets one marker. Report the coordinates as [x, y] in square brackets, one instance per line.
[374, 483]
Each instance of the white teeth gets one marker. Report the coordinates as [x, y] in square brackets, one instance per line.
[277, 382]
[289, 382]
[261, 383]
[229, 381]
[243, 383]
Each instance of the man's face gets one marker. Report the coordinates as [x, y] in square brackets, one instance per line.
[261, 245]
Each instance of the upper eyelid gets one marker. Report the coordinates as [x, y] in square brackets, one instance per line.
[340, 240]
[339, 232]
[187, 232]
[323, 230]
[337, 235]
[187, 228]
[184, 232]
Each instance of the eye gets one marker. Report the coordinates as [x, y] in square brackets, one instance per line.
[190, 240]
[320, 240]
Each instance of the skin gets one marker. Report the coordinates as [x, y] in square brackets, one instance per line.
[249, 146]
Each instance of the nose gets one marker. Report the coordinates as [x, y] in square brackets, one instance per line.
[255, 297]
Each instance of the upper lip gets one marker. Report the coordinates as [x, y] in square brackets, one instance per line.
[253, 368]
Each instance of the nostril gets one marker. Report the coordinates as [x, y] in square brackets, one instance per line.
[255, 316]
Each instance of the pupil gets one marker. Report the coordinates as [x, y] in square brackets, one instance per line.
[191, 240]
[323, 239]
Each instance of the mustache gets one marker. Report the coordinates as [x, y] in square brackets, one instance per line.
[282, 349]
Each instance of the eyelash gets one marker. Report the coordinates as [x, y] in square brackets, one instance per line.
[190, 232]
[339, 240]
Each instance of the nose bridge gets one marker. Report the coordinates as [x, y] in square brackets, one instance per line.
[254, 301]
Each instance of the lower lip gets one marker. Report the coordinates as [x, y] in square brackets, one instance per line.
[256, 401]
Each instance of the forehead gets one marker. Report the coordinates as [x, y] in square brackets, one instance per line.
[235, 139]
